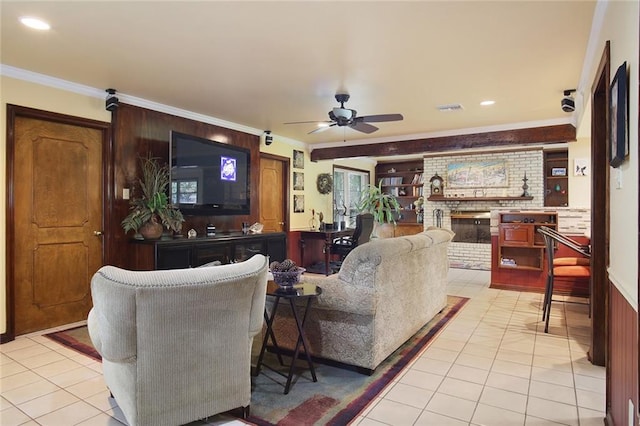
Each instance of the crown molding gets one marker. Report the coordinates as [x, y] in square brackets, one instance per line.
[69, 86]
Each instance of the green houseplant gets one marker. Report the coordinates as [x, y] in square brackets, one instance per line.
[151, 209]
[383, 206]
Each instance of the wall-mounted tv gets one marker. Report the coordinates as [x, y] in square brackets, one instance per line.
[208, 177]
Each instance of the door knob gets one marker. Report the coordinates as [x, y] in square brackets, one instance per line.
[281, 223]
[97, 233]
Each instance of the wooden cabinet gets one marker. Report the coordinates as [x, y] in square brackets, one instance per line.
[402, 229]
[189, 253]
[405, 180]
[556, 178]
[520, 246]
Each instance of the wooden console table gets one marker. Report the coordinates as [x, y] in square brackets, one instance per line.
[192, 252]
[327, 237]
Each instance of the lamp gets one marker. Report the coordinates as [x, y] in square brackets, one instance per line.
[343, 113]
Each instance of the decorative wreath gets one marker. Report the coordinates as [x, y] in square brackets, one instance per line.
[324, 183]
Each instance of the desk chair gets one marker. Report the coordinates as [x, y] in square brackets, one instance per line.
[562, 267]
[364, 226]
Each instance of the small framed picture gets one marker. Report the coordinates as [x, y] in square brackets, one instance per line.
[618, 136]
[581, 167]
[298, 181]
[559, 171]
[298, 159]
[298, 203]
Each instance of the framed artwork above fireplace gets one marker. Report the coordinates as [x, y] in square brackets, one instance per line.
[480, 174]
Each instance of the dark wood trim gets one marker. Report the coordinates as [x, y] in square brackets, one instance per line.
[505, 138]
[286, 185]
[599, 215]
[485, 151]
[623, 361]
[638, 240]
[13, 112]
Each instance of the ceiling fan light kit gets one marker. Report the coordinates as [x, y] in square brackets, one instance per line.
[345, 117]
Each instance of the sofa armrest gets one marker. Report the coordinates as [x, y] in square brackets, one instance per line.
[338, 295]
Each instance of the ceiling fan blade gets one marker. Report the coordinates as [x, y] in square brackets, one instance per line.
[307, 122]
[321, 129]
[363, 127]
[380, 118]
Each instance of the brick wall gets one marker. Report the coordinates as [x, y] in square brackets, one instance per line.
[472, 255]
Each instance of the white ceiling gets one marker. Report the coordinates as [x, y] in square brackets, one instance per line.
[261, 64]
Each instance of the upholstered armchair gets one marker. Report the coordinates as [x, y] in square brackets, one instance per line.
[176, 344]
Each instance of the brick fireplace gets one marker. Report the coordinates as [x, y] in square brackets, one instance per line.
[471, 226]
[471, 248]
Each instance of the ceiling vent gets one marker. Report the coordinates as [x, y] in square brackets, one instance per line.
[449, 107]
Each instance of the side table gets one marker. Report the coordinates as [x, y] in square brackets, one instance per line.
[300, 291]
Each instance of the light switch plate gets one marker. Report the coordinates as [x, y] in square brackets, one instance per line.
[618, 178]
[125, 193]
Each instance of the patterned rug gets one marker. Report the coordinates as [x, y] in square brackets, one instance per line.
[338, 396]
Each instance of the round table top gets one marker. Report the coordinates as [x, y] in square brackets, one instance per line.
[299, 290]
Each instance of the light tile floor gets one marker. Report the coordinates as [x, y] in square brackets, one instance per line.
[492, 365]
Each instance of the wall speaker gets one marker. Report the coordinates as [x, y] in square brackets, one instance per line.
[111, 104]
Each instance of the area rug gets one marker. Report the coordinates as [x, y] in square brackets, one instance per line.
[338, 396]
[78, 339]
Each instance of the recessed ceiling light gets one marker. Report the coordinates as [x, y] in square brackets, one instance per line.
[35, 23]
[486, 103]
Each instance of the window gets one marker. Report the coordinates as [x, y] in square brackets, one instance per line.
[184, 191]
[347, 187]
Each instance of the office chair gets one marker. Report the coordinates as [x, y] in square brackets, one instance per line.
[562, 267]
[343, 245]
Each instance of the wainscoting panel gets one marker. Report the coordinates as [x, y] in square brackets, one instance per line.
[623, 361]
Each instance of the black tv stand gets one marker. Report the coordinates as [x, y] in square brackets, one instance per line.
[192, 252]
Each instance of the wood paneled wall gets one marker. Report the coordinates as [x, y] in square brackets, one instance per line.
[623, 362]
[139, 131]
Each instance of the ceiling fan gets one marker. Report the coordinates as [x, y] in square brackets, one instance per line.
[341, 117]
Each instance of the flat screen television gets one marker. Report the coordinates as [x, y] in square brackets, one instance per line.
[208, 177]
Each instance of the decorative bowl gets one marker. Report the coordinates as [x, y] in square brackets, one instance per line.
[287, 279]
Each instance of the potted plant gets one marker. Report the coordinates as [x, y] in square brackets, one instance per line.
[383, 206]
[151, 210]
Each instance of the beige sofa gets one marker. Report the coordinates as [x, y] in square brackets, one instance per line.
[386, 290]
[176, 344]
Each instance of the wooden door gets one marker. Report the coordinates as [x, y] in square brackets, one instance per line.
[274, 172]
[57, 221]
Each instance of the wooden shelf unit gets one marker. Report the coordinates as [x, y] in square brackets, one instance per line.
[520, 246]
[403, 177]
[556, 185]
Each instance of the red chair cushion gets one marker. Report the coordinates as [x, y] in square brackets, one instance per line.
[571, 261]
[571, 271]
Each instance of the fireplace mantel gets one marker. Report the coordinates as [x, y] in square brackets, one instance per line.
[458, 199]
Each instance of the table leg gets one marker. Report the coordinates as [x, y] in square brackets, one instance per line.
[269, 334]
[327, 255]
[301, 339]
[302, 245]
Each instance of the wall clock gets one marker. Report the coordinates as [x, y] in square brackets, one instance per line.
[324, 183]
[437, 184]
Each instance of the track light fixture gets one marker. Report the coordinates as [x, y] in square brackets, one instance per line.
[111, 104]
[268, 139]
[568, 104]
